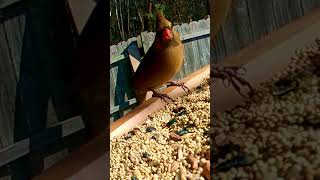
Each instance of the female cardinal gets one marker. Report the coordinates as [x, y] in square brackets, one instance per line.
[162, 61]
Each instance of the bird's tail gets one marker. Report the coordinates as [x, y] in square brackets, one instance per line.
[141, 96]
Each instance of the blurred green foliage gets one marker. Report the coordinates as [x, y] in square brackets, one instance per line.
[152, 15]
[137, 16]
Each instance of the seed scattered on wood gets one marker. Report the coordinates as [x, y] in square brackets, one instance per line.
[182, 174]
[206, 170]
[182, 132]
[155, 177]
[153, 137]
[207, 155]
[193, 161]
[175, 137]
[174, 166]
[202, 162]
[134, 178]
[198, 138]
[171, 122]
[179, 109]
[145, 155]
[180, 153]
[127, 136]
[235, 162]
[182, 113]
[284, 86]
[165, 161]
[150, 129]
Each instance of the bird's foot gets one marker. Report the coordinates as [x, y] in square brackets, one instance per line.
[161, 96]
[182, 85]
[232, 75]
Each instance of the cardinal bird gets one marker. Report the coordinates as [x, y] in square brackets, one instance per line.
[161, 62]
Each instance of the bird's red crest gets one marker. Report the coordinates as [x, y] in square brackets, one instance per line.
[162, 22]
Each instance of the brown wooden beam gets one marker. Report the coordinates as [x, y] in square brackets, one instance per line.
[267, 57]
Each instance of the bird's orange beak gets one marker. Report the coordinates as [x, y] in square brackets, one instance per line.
[167, 34]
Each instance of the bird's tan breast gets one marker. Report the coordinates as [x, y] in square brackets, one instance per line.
[173, 57]
[162, 68]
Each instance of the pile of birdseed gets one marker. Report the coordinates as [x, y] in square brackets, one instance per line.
[173, 143]
[276, 134]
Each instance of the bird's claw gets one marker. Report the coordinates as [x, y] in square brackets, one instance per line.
[182, 85]
[232, 75]
[161, 96]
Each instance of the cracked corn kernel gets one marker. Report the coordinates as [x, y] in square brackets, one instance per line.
[157, 142]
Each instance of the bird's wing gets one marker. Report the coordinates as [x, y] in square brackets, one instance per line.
[148, 67]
